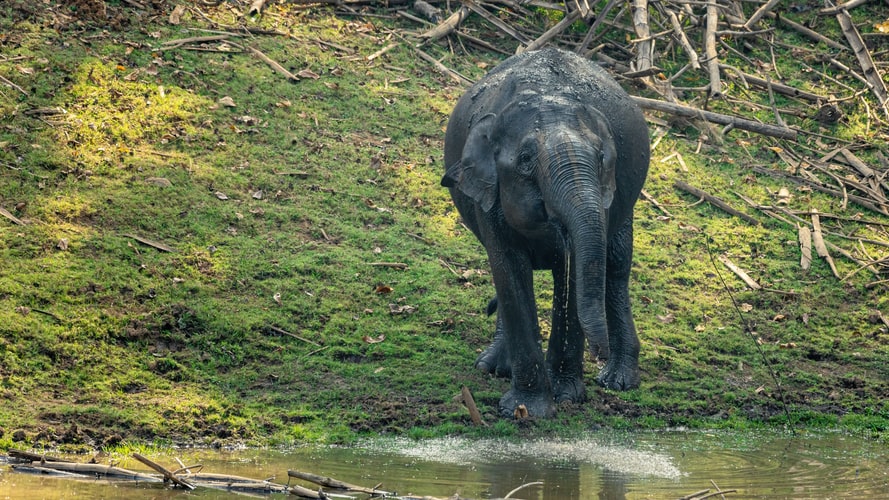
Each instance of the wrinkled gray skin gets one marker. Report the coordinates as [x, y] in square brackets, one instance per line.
[545, 158]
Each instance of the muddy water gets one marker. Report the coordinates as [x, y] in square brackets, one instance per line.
[599, 466]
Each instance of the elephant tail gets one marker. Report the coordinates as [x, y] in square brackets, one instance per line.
[492, 306]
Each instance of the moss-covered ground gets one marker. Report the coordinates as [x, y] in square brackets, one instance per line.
[212, 253]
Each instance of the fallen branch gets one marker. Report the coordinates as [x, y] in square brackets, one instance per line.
[13, 218]
[814, 35]
[715, 201]
[447, 26]
[735, 122]
[10, 84]
[272, 63]
[168, 475]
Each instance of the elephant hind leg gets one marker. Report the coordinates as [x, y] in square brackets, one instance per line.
[621, 371]
[495, 359]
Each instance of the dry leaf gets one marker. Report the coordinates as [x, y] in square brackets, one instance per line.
[382, 289]
[779, 317]
[227, 102]
[176, 15]
[277, 298]
[257, 195]
[788, 345]
[666, 318]
[746, 307]
[63, 244]
[221, 195]
[700, 328]
[371, 340]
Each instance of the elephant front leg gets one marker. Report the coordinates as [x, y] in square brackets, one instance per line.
[621, 371]
[517, 311]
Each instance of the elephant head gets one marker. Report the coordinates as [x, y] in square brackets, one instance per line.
[549, 165]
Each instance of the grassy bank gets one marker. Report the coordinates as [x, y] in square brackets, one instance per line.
[200, 250]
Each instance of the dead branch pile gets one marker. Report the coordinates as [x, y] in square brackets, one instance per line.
[694, 55]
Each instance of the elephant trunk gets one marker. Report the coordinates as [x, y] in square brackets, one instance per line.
[579, 206]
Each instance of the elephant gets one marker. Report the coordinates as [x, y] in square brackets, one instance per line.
[545, 157]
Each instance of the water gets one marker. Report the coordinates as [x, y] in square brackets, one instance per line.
[599, 466]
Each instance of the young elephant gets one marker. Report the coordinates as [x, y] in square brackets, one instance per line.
[545, 158]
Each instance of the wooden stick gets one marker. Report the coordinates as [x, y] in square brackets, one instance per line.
[818, 241]
[777, 87]
[739, 273]
[814, 35]
[715, 201]
[552, 32]
[842, 6]
[765, 8]
[272, 63]
[496, 21]
[736, 122]
[9, 83]
[163, 470]
[13, 218]
[683, 40]
[447, 26]
[655, 203]
[297, 337]
[469, 401]
[442, 68]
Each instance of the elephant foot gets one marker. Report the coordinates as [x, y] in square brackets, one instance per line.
[494, 360]
[619, 374]
[515, 404]
[569, 390]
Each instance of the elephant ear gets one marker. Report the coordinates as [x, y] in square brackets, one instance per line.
[475, 175]
[596, 126]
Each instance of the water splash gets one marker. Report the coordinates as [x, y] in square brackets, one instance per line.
[464, 452]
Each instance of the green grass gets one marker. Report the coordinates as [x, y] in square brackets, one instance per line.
[267, 323]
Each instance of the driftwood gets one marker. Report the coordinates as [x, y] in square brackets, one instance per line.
[330, 482]
[168, 475]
